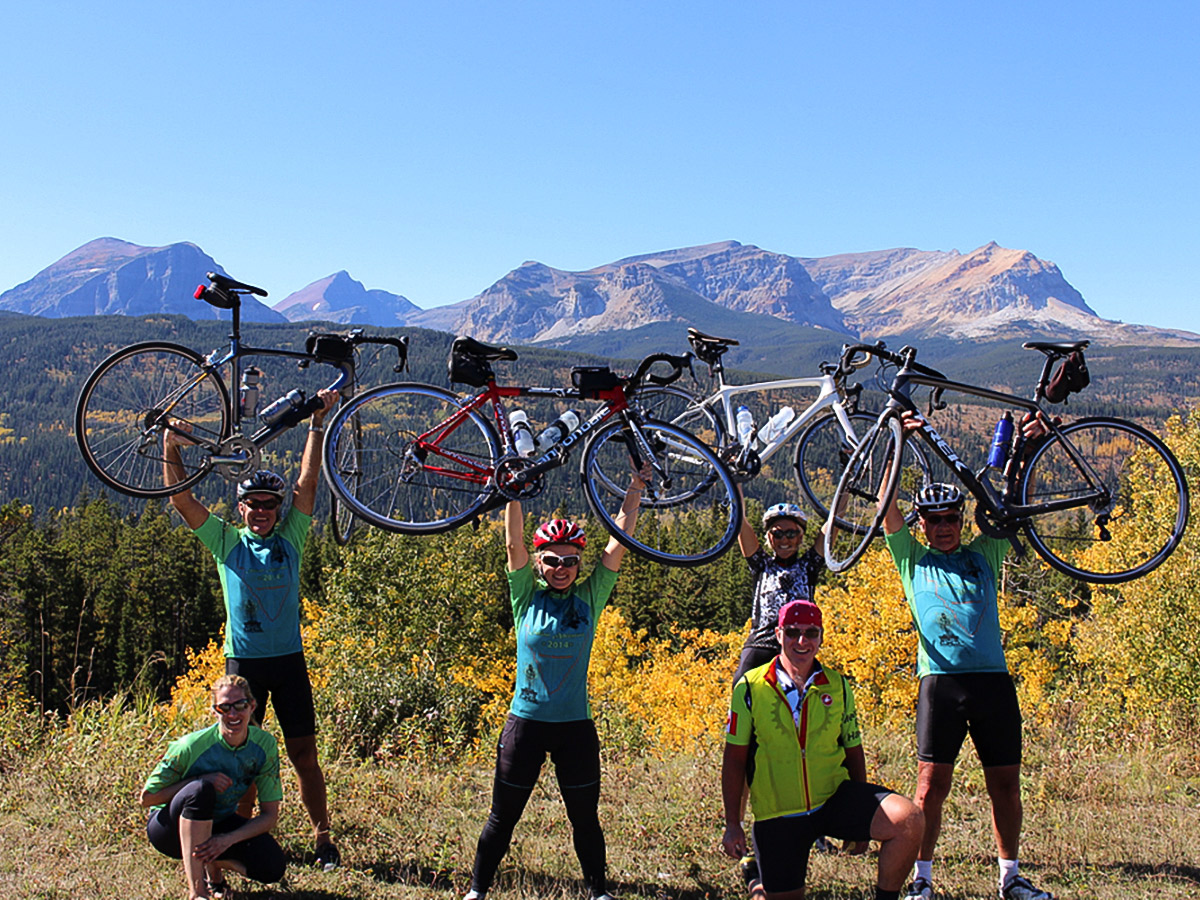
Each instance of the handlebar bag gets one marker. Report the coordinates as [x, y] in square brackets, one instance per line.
[590, 380]
[329, 347]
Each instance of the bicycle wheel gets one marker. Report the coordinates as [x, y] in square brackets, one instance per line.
[1136, 521]
[690, 512]
[350, 472]
[123, 403]
[873, 471]
[424, 465]
[683, 409]
[823, 450]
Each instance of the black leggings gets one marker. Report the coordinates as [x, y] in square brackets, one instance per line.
[261, 855]
[574, 749]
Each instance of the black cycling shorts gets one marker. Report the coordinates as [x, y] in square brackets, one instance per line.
[284, 680]
[782, 844]
[982, 704]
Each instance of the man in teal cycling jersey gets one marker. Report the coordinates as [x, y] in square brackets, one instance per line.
[952, 591]
[259, 565]
[810, 776]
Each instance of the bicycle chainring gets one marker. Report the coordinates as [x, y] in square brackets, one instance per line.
[509, 472]
[238, 446]
[742, 469]
[1009, 528]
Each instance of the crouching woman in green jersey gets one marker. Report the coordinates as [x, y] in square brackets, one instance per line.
[195, 789]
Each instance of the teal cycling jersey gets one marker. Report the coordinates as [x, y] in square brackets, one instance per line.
[953, 600]
[555, 631]
[256, 762]
[260, 578]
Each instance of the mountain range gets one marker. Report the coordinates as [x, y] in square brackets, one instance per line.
[991, 293]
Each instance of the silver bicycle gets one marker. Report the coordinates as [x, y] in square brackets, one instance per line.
[829, 428]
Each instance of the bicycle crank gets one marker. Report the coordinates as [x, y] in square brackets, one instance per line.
[513, 480]
[236, 458]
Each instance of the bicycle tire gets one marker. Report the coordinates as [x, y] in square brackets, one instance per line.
[873, 471]
[399, 489]
[680, 407]
[822, 451]
[116, 416]
[688, 519]
[1144, 518]
[350, 467]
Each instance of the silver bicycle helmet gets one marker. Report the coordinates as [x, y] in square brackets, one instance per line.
[263, 481]
[784, 511]
[939, 496]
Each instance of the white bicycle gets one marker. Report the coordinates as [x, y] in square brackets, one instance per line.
[829, 428]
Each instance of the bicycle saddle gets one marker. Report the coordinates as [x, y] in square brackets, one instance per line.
[707, 346]
[471, 347]
[1055, 348]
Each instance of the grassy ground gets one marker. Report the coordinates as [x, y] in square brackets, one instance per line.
[1100, 823]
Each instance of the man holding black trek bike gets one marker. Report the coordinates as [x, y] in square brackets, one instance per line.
[952, 592]
[259, 565]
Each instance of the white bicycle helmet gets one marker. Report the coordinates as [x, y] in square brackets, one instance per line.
[263, 481]
[784, 511]
[938, 496]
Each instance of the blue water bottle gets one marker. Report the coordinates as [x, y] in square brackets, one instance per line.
[1001, 439]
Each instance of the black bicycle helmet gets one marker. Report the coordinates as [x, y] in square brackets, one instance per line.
[938, 496]
[263, 481]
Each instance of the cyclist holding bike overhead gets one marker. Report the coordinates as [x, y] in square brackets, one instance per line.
[965, 687]
[259, 565]
[555, 615]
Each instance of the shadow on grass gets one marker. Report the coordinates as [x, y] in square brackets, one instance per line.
[1157, 870]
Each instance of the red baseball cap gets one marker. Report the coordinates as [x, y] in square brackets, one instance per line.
[799, 612]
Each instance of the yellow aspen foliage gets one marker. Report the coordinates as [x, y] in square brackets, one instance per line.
[869, 635]
[190, 698]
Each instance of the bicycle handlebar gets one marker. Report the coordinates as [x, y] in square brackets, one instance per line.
[678, 363]
[400, 343]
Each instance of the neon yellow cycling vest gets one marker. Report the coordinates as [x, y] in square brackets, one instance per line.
[796, 767]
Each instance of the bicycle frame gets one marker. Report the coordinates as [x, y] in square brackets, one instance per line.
[831, 395]
[995, 501]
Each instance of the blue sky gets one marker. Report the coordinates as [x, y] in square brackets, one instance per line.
[430, 148]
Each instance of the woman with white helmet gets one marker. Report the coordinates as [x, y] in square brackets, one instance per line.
[555, 613]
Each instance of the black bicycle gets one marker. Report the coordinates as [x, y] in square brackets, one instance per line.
[146, 389]
[1099, 498]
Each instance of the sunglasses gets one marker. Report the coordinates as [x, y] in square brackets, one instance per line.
[788, 533]
[556, 562]
[812, 632]
[261, 504]
[943, 519]
[234, 706]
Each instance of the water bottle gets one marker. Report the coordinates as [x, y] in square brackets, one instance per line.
[998, 454]
[776, 424]
[249, 391]
[745, 426]
[290, 404]
[557, 430]
[522, 433]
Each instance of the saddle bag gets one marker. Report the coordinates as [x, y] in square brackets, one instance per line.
[469, 369]
[1070, 377]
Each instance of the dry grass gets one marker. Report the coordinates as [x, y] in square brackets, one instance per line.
[1103, 824]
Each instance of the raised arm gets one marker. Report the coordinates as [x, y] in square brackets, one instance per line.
[748, 541]
[893, 519]
[304, 495]
[194, 512]
[626, 519]
[514, 536]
